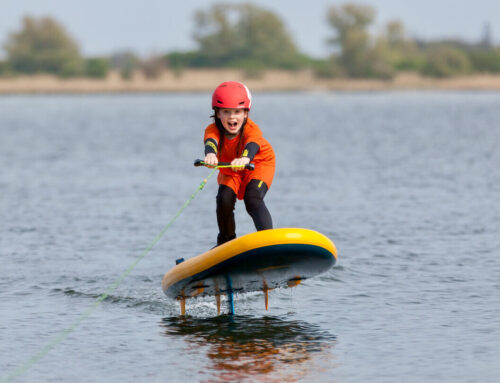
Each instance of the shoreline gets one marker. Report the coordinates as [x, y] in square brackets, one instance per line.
[204, 80]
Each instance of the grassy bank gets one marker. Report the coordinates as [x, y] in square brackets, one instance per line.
[206, 80]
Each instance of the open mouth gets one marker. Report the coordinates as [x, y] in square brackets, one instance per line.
[232, 124]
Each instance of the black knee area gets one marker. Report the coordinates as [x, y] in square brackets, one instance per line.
[226, 199]
[253, 200]
[254, 203]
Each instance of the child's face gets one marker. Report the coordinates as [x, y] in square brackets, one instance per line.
[232, 119]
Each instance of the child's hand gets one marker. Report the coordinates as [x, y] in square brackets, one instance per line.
[211, 159]
[240, 162]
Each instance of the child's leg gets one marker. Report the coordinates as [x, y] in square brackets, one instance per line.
[226, 200]
[254, 203]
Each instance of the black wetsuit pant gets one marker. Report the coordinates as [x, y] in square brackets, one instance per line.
[255, 206]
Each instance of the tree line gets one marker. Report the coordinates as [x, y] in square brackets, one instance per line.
[253, 39]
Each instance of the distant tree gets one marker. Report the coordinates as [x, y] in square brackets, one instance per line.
[43, 45]
[4, 68]
[177, 61]
[126, 63]
[446, 61]
[350, 22]
[97, 67]
[326, 68]
[243, 35]
[399, 50]
[357, 54]
[485, 60]
[395, 33]
[153, 67]
[380, 61]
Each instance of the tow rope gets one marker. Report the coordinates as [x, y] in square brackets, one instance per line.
[64, 333]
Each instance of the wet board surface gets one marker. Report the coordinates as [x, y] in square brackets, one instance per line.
[255, 262]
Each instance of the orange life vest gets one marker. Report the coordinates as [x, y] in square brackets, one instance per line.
[230, 149]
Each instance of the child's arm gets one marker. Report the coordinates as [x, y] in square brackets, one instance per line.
[211, 159]
[211, 143]
[241, 162]
[248, 154]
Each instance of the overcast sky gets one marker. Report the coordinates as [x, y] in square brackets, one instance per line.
[157, 26]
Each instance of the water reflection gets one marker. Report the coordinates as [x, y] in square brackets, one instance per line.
[242, 348]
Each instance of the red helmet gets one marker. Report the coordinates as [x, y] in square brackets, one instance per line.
[232, 94]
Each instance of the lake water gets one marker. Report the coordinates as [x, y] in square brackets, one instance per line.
[407, 185]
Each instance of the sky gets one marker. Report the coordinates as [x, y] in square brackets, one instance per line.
[150, 27]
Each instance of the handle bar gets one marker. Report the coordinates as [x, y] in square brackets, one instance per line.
[222, 165]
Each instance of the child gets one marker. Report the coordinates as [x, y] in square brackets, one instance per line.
[235, 138]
